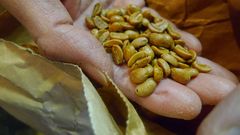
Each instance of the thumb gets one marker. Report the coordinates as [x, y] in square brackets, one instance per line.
[52, 28]
[69, 44]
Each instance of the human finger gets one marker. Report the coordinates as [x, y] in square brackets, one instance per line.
[211, 88]
[218, 70]
[214, 86]
[191, 41]
[52, 29]
[74, 7]
[169, 99]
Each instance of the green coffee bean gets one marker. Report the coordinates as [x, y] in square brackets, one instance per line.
[139, 42]
[135, 57]
[170, 59]
[117, 54]
[180, 75]
[99, 22]
[146, 88]
[161, 40]
[164, 65]
[201, 67]
[148, 44]
[139, 75]
[141, 63]
[157, 73]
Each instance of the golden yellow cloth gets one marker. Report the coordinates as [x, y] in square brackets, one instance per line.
[209, 21]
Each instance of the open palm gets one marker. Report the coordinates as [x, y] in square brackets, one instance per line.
[61, 35]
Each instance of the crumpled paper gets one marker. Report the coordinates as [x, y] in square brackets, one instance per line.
[56, 98]
[48, 98]
[210, 22]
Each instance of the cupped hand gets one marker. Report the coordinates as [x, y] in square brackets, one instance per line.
[61, 35]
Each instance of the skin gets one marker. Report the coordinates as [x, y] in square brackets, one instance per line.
[224, 119]
[61, 35]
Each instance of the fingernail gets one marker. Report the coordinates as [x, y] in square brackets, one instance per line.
[102, 78]
[97, 75]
